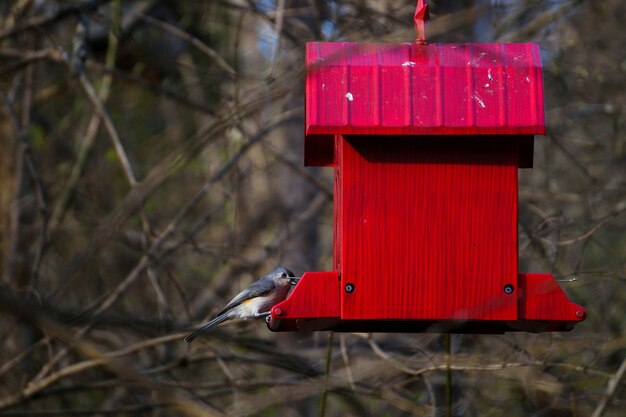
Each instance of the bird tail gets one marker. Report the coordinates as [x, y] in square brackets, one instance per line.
[217, 320]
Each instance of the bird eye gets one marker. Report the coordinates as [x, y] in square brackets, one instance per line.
[283, 275]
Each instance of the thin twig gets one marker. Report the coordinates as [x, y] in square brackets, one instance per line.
[611, 387]
[297, 168]
[346, 360]
[566, 242]
[278, 30]
[119, 410]
[329, 351]
[77, 170]
[448, 387]
[26, 57]
[40, 22]
[96, 357]
[29, 160]
[197, 43]
[92, 127]
[55, 56]
[541, 21]
[112, 131]
[476, 367]
[110, 128]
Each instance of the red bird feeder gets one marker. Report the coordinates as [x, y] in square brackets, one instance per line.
[426, 141]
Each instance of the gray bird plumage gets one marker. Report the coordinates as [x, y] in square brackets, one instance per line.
[253, 302]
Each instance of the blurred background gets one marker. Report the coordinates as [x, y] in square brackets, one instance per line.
[151, 167]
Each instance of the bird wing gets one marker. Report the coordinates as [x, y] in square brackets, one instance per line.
[256, 289]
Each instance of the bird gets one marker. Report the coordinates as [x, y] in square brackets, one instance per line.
[255, 301]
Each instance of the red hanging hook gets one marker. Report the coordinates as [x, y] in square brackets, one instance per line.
[420, 17]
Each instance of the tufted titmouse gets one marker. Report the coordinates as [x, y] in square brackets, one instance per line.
[255, 301]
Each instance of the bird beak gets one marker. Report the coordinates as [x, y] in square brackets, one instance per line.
[294, 280]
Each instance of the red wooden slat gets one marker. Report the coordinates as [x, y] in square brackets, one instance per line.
[363, 86]
[455, 64]
[537, 85]
[522, 84]
[542, 298]
[331, 72]
[312, 97]
[488, 86]
[425, 94]
[395, 73]
[315, 296]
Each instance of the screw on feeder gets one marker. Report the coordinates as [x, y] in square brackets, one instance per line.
[278, 311]
[349, 288]
[420, 17]
[508, 289]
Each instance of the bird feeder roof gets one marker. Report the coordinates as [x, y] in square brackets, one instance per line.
[432, 89]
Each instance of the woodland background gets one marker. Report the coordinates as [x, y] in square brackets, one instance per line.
[151, 167]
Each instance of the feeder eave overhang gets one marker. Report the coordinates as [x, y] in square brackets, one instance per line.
[411, 89]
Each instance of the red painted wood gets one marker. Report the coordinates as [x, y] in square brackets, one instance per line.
[458, 90]
[315, 296]
[363, 82]
[488, 87]
[315, 303]
[337, 205]
[523, 82]
[541, 298]
[394, 80]
[427, 229]
[411, 89]
[328, 84]
[425, 73]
